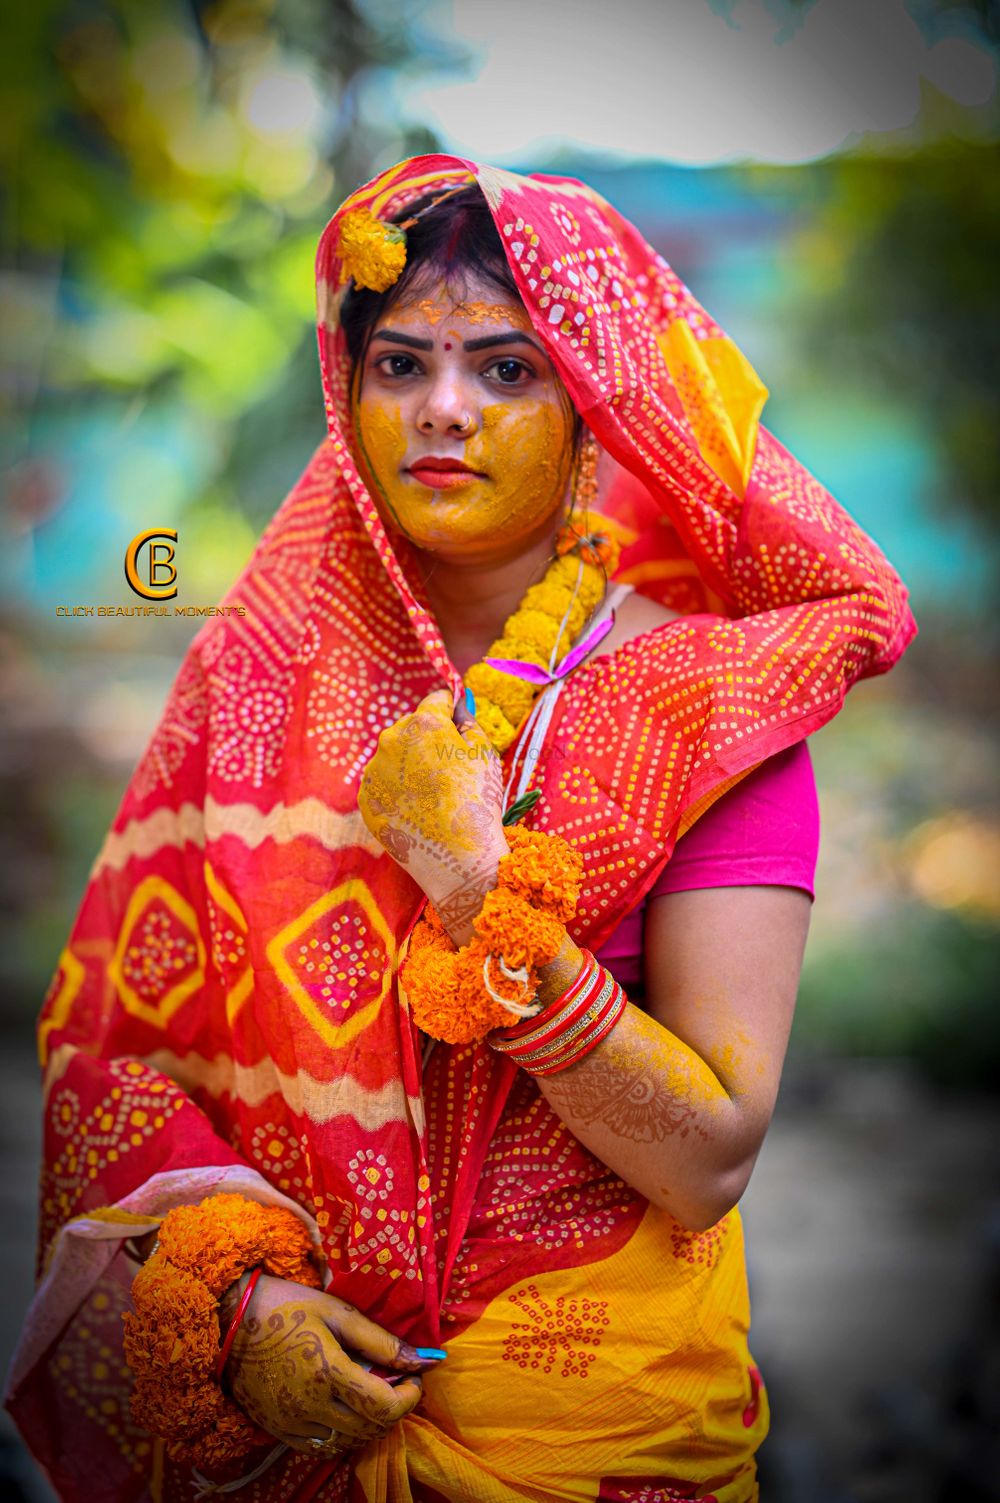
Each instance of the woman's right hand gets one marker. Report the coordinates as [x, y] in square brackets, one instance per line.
[289, 1370]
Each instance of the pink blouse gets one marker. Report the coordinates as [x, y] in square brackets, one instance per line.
[763, 832]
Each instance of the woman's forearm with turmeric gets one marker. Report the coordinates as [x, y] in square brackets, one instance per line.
[650, 1108]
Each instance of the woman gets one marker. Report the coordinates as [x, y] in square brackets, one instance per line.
[228, 1014]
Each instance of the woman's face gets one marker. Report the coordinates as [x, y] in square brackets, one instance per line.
[465, 428]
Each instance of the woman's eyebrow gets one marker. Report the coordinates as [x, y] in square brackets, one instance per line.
[486, 342]
[408, 339]
[489, 340]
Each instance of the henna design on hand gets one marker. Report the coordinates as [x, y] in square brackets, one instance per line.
[457, 910]
[493, 786]
[434, 801]
[397, 843]
[473, 816]
[278, 1364]
[283, 1379]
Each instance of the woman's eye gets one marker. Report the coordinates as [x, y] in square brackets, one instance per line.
[397, 365]
[510, 372]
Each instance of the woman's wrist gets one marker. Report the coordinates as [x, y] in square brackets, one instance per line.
[460, 992]
[229, 1302]
[459, 907]
[175, 1308]
[560, 973]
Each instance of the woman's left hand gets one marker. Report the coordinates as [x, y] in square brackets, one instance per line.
[432, 794]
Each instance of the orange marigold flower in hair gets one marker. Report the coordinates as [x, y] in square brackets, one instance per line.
[370, 251]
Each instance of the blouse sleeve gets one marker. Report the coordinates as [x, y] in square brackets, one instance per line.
[763, 832]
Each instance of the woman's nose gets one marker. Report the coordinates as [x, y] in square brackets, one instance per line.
[446, 409]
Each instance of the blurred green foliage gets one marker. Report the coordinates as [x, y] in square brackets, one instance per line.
[166, 168]
[903, 250]
[924, 988]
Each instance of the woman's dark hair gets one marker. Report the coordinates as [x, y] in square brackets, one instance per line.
[450, 240]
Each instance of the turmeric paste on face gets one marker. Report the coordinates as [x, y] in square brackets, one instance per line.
[519, 445]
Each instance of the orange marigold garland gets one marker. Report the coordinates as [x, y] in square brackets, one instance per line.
[544, 626]
[172, 1339]
[521, 925]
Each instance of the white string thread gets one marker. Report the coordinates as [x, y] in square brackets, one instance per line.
[519, 1009]
[205, 1488]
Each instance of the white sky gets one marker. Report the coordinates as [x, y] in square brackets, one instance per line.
[674, 80]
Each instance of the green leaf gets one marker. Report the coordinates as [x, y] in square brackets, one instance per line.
[522, 806]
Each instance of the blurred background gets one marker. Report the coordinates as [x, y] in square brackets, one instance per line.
[824, 176]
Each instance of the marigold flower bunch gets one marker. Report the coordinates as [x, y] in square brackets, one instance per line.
[172, 1339]
[523, 920]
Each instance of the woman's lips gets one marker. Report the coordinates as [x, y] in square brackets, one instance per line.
[443, 474]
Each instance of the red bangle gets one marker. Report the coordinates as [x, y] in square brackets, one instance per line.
[234, 1324]
[563, 1018]
[601, 1028]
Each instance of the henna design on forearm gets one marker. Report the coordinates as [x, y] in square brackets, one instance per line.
[460, 907]
[637, 1085]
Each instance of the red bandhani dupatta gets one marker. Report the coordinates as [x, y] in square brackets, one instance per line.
[226, 1012]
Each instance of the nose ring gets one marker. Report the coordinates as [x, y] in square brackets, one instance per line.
[465, 424]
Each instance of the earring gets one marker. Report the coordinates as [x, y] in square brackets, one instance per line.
[575, 536]
[585, 485]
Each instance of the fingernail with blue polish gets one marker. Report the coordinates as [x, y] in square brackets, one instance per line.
[470, 701]
[431, 1353]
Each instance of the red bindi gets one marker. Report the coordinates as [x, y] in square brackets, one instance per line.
[447, 344]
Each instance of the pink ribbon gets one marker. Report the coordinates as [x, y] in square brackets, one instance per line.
[536, 675]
